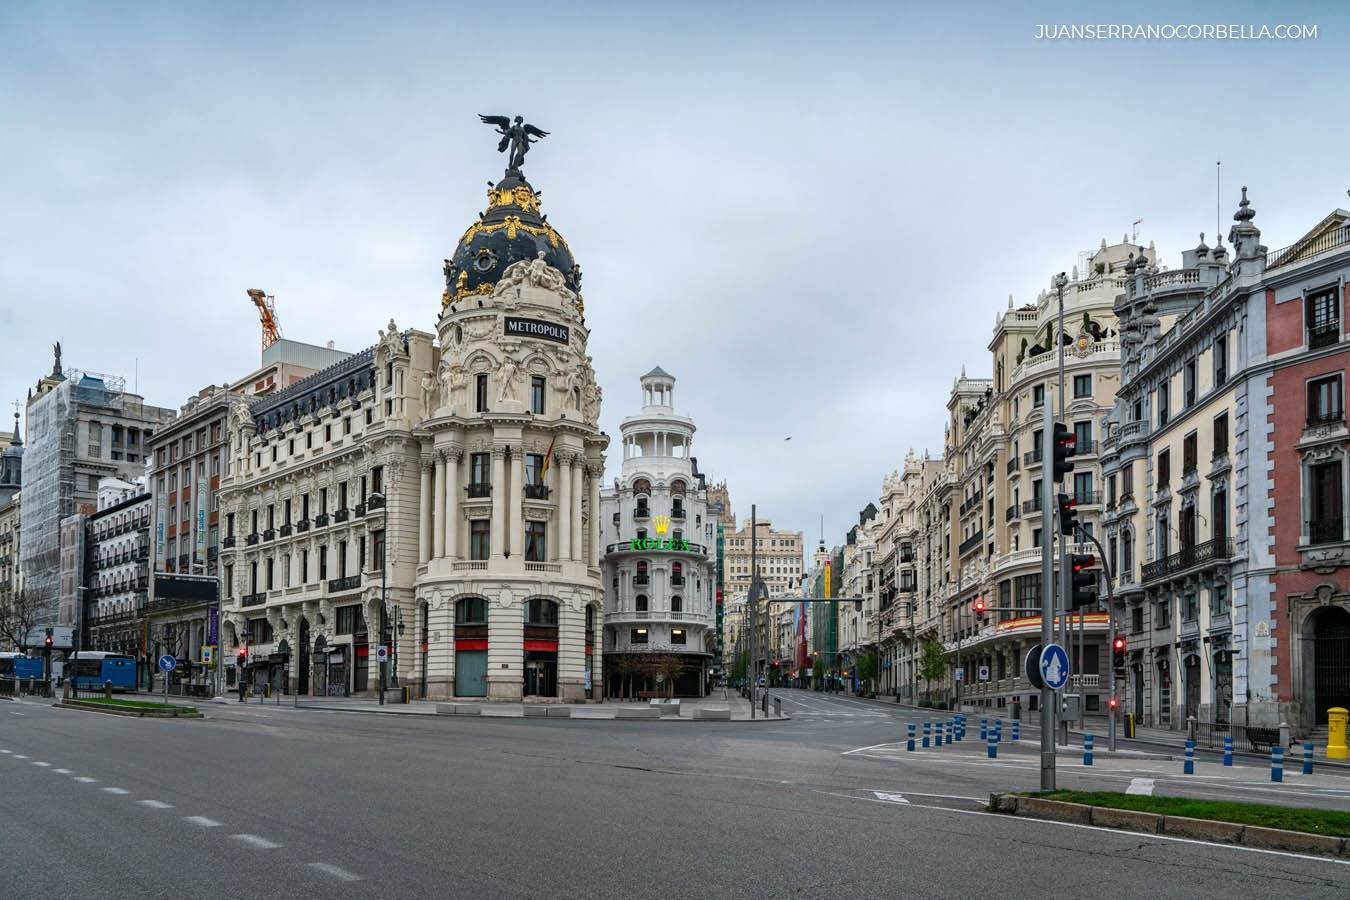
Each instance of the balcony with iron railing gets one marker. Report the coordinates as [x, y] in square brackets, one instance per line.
[1014, 463]
[970, 543]
[536, 492]
[677, 581]
[252, 539]
[642, 512]
[477, 491]
[1303, 250]
[1322, 418]
[1323, 334]
[641, 579]
[253, 599]
[1326, 531]
[374, 501]
[1031, 506]
[1188, 557]
[285, 530]
[1010, 513]
[677, 514]
[341, 515]
[321, 520]
[350, 582]
[302, 526]
[270, 534]
[359, 511]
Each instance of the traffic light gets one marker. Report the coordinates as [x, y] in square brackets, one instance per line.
[978, 608]
[1112, 703]
[242, 655]
[857, 605]
[1064, 448]
[1068, 513]
[1084, 580]
[1118, 656]
[47, 641]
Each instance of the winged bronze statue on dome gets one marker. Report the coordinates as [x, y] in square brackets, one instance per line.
[517, 135]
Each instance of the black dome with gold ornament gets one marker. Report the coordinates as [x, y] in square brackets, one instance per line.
[510, 230]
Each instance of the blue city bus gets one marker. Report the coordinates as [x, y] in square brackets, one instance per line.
[16, 665]
[91, 669]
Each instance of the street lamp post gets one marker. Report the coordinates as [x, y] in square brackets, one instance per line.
[1065, 576]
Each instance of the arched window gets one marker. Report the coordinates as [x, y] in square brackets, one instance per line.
[590, 618]
[541, 611]
[677, 487]
[471, 611]
[676, 604]
[640, 604]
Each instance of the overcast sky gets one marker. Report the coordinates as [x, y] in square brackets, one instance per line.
[810, 214]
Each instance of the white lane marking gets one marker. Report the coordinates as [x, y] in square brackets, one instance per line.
[115, 791]
[873, 747]
[13, 713]
[339, 873]
[1140, 786]
[45, 765]
[85, 779]
[889, 797]
[155, 804]
[258, 843]
[61, 771]
[203, 821]
[19, 756]
[6, 751]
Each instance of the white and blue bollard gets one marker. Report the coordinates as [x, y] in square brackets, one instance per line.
[909, 741]
[950, 728]
[1188, 767]
[1307, 757]
[984, 729]
[993, 747]
[998, 731]
[1228, 750]
[1016, 729]
[927, 729]
[1277, 764]
[1087, 749]
[960, 727]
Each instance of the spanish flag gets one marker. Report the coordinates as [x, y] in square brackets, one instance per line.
[548, 457]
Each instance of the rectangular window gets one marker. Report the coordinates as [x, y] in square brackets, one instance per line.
[536, 545]
[1326, 514]
[1190, 607]
[1323, 319]
[377, 551]
[1082, 386]
[1163, 412]
[1220, 435]
[1082, 437]
[346, 424]
[1221, 359]
[342, 495]
[1038, 395]
[1082, 488]
[286, 505]
[480, 539]
[271, 572]
[1218, 600]
[348, 618]
[677, 636]
[480, 468]
[304, 566]
[1188, 382]
[323, 562]
[323, 500]
[229, 524]
[1127, 480]
[229, 581]
[480, 392]
[1326, 401]
[534, 468]
[1164, 473]
[1111, 492]
[637, 636]
[1189, 452]
[342, 559]
[377, 480]
[361, 553]
[537, 395]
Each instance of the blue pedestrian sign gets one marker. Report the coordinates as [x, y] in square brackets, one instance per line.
[1054, 667]
[167, 663]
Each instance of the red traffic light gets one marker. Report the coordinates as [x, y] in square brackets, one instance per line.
[979, 606]
[1113, 703]
[1118, 644]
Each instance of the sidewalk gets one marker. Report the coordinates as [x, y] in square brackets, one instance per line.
[733, 708]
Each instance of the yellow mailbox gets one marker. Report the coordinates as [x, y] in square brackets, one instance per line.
[1336, 748]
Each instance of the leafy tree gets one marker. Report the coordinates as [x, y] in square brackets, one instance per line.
[932, 662]
[869, 664]
[741, 665]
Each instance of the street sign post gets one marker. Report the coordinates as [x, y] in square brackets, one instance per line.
[1054, 667]
[960, 673]
[984, 673]
[167, 664]
[1031, 667]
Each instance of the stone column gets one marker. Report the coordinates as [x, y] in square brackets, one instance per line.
[452, 514]
[516, 503]
[438, 524]
[594, 558]
[565, 507]
[424, 516]
[498, 537]
[575, 511]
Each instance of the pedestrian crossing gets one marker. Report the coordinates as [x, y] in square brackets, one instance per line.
[810, 705]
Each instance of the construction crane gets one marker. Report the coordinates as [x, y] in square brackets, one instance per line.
[267, 315]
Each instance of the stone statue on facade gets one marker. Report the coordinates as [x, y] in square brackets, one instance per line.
[430, 393]
[508, 372]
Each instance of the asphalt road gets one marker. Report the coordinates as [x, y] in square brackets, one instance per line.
[262, 801]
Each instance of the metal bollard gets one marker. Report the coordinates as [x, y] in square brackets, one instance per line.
[998, 731]
[960, 727]
[1277, 763]
[1188, 767]
[1087, 749]
[984, 729]
[909, 742]
[992, 747]
[950, 728]
[1228, 750]
[927, 727]
[1307, 757]
[778, 707]
[1016, 730]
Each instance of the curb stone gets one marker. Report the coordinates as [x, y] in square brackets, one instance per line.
[1209, 830]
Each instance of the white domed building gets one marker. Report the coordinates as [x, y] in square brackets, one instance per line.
[660, 558]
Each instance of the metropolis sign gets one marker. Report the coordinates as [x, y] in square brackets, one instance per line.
[535, 328]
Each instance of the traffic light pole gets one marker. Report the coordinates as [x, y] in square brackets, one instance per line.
[1111, 620]
[1065, 576]
[1047, 600]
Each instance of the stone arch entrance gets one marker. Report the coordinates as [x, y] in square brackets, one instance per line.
[1191, 673]
[302, 669]
[1326, 661]
[1223, 686]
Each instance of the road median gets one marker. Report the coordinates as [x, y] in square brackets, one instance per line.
[1319, 832]
[134, 708]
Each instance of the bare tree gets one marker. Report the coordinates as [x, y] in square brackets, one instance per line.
[18, 615]
[627, 666]
[666, 667]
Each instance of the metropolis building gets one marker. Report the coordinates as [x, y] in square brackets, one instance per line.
[434, 495]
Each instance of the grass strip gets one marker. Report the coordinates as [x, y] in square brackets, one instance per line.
[1335, 823]
[132, 704]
